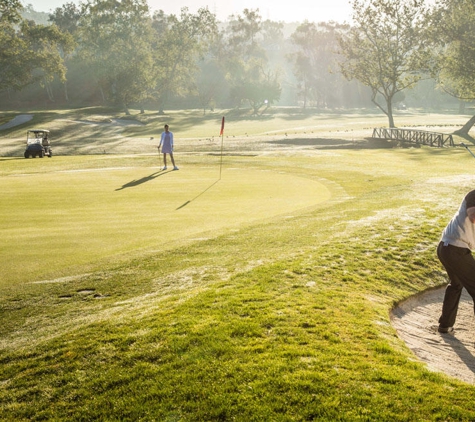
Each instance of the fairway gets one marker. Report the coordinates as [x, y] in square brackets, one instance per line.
[131, 293]
[54, 222]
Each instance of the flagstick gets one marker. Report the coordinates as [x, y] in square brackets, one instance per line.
[221, 164]
[222, 140]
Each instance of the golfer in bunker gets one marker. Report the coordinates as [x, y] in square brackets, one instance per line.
[166, 142]
[454, 252]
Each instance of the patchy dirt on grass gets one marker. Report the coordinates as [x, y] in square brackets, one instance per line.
[416, 323]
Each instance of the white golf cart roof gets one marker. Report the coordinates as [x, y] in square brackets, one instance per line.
[36, 136]
[38, 130]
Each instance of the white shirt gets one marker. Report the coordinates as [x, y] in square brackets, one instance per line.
[461, 230]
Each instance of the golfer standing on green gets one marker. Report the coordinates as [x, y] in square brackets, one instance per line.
[454, 252]
[166, 142]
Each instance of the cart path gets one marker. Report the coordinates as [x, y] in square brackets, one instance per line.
[17, 120]
[415, 321]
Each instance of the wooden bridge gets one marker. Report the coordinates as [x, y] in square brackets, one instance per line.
[433, 139]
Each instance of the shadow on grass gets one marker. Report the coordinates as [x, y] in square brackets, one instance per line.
[187, 122]
[11, 158]
[327, 143]
[197, 196]
[145, 179]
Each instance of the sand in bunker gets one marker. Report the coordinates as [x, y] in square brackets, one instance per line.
[416, 321]
[16, 121]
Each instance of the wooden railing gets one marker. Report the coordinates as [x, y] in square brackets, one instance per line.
[415, 136]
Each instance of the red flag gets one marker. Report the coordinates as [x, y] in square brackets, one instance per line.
[222, 127]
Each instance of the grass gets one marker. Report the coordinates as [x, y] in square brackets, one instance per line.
[278, 309]
[107, 131]
[65, 217]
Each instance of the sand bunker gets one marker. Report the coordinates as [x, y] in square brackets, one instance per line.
[416, 323]
[18, 120]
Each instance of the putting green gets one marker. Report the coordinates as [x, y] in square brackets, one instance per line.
[56, 223]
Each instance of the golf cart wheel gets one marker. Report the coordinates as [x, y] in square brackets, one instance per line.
[26, 154]
[50, 154]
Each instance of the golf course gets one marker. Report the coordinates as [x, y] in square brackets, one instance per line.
[255, 283]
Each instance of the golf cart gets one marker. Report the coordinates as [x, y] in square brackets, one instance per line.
[37, 143]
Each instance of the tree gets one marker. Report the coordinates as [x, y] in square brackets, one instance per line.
[452, 29]
[314, 58]
[66, 18]
[10, 11]
[246, 61]
[28, 52]
[47, 47]
[115, 41]
[14, 72]
[385, 48]
[210, 83]
[179, 43]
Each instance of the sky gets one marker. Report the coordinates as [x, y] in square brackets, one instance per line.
[276, 10]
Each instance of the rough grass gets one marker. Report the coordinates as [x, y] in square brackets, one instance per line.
[282, 318]
[108, 131]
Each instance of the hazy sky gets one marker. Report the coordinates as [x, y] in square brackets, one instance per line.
[276, 10]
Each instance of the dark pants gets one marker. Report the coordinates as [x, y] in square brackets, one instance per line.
[460, 267]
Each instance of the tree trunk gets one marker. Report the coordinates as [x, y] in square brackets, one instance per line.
[391, 119]
[49, 91]
[390, 113]
[389, 108]
[162, 101]
[466, 128]
[66, 94]
[102, 95]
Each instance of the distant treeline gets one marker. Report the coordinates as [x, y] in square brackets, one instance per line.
[118, 53]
